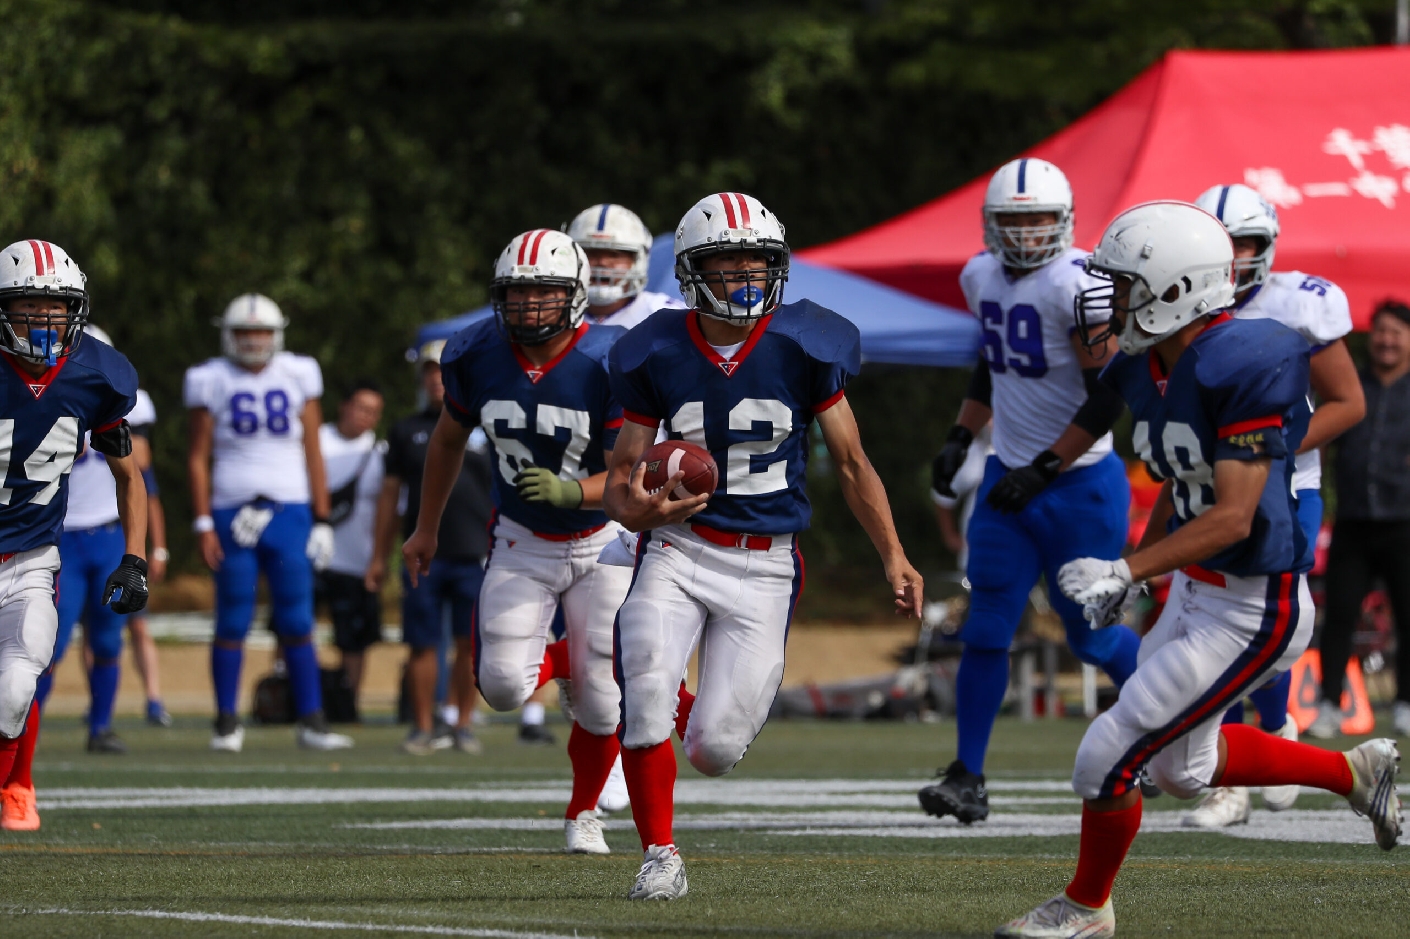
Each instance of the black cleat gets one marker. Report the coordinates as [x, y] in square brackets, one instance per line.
[536, 735]
[961, 794]
[1149, 789]
[106, 741]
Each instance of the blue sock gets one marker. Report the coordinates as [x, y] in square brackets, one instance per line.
[1235, 715]
[225, 675]
[1122, 663]
[103, 686]
[1272, 703]
[304, 678]
[42, 687]
[979, 692]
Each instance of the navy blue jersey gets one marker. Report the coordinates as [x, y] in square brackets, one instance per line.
[1238, 392]
[560, 415]
[42, 426]
[751, 412]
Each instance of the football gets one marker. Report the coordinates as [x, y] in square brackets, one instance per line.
[669, 457]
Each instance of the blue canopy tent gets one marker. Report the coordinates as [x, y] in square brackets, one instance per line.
[897, 328]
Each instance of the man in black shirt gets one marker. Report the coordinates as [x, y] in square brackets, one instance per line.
[455, 575]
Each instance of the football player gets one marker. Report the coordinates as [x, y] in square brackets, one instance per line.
[745, 377]
[618, 247]
[55, 388]
[1219, 410]
[1318, 311]
[1052, 461]
[260, 501]
[534, 378]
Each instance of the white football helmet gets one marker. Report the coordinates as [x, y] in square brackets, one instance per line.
[430, 352]
[247, 313]
[98, 333]
[613, 227]
[1179, 261]
[1027, 185]
[1245, 214]
[547, 258]
[731, 221]
[41, 269]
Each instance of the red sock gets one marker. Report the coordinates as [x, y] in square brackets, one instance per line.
[592, 758]
[1257, 758]
[683, 706]
[555, 662]
[9, 747]
[1106, 837]
[651, 783]
[24, 754]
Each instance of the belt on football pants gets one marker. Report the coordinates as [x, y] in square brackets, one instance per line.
[1205, 576]
[572, 535]
[734, 539]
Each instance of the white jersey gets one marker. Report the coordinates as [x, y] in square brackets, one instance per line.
[259, 433]
[1318, 311]
[642, 306]
[344, 459]
[1028, 327]
[92, 489]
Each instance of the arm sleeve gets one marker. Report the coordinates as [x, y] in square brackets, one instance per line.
[310, 377]
[633, 392]
[121, 396]
[1249, 405]
[196, 389]
[459, 403]
[836, 366]
[612, 423]
[981, 384]
[1334, 321]
[1103, 406]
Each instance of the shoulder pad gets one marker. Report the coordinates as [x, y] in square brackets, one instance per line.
[664, 328]
[469, 338]
[822, 334]
[1224, 360]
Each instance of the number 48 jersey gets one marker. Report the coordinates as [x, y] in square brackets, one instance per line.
[1028, 326]
[258, 451]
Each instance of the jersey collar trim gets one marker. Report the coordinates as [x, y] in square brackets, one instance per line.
[37, 386]
[731, 365]
[1248, 296]
[536, 372]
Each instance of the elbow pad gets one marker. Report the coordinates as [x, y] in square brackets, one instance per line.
[1102, 407]
[116, 441]
[981, 386]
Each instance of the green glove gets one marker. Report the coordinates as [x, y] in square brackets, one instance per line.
[536, 484]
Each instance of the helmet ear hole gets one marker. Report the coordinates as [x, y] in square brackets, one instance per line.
[1172, 293]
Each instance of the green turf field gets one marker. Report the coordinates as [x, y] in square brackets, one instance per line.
[816, 834]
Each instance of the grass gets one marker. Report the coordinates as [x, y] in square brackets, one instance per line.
[286, 868]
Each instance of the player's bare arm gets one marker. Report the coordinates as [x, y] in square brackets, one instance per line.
[625, 497]
[1342, 402]
[1157, 526]
[156, 518]
[445, 452]
[866, 497]
[132, 502]
[383, 531]
[200, 432]
[312, 418]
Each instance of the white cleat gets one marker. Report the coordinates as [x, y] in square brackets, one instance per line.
[1327, 726]
[1220, 808]
[232, 742]
[1282, 798]
[662, 875]
[584, 834]
[309, 738]
[614, 796]
[1374, 766]
[1062, 918]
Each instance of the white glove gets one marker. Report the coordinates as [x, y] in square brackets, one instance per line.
[620, 552]
[320, 545]
[1103, 588]
[249, 523]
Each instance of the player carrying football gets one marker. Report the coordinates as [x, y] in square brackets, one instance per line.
[54, 389]
[1053, 490]
[535, 379]
[1218, 407]
[744, 377]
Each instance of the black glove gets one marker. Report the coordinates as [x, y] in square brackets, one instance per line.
[1014, 491]
[131, 579]
[951, 458]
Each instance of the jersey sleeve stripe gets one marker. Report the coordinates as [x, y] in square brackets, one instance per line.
[641, 419]
[819, 408]
[613, 424]
[457, 405]
[108, 426]
[1257, 423]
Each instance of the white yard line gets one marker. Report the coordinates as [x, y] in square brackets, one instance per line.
[308, 923]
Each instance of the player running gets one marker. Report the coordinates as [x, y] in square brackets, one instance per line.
[55, 388]
[743, 376]
[1219, 405]
[535, 379]
[618, 247]
[1317, 310]
[1052, 463]
[260, 500]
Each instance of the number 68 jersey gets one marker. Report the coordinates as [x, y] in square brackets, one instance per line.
[258, 450]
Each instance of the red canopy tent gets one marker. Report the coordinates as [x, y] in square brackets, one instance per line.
[1325, 136]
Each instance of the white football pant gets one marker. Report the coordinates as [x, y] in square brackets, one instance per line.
[29, 625]
[736, 604]
[1211, 646]
[526, 579]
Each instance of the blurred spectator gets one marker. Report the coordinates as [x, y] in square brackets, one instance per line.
[1372, 535]
[353, 458]
[144, 647]
[453, 583]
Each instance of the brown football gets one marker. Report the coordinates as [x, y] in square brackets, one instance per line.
[669, 457]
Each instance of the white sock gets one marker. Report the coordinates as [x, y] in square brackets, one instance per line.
[532, 714]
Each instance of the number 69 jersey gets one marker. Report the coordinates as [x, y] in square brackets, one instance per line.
[258, 449]
[751, 411]
[1237, 393]
[1028, 325]
[560, 416]
[42, 425]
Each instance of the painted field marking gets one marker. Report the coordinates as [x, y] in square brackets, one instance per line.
[307, 923]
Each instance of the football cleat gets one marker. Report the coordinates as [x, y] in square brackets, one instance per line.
[536, 735]
[584, 834]
[614, 796]
[1062, 918]
[229, 734]
[17, 809]
[314, 734]
[1149, 790]
[1220, 808]
[1401, 716]
[961, 794]
[1374, 766]
[424, 743]
[1282, 798]
[1327, 726]
[467, 742]
[662, 875]
[106, 741]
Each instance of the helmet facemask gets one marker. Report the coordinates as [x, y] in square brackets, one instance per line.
[554, 315]
[1026, 247]
[1101, 304]
[36, 337]
[1251, 271]
[749, 295]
